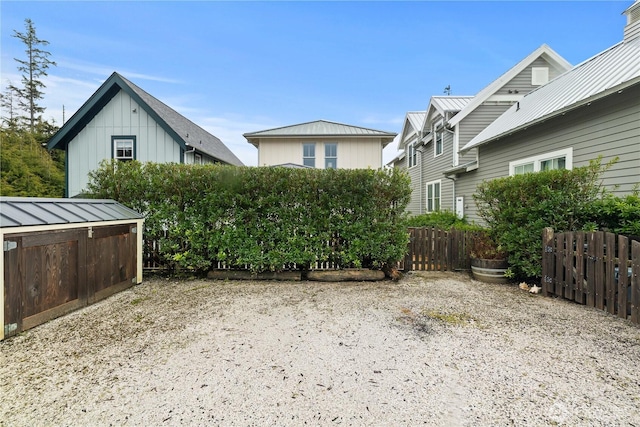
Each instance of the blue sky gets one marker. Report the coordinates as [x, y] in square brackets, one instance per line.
[236, 67]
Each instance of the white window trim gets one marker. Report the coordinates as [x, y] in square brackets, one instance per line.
[123, 138]
[329, 157]
[426, 194]
[567, 153]
[309, 157]
[435, 142]
[413, 153]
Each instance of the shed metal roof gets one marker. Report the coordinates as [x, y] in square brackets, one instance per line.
[30, 211]
[606, 73]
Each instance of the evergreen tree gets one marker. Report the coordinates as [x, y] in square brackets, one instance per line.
[32, 68]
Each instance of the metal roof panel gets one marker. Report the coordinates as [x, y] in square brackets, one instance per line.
[26, 211]
[611, 70]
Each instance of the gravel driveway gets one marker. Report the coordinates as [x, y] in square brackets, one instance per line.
[436, 349]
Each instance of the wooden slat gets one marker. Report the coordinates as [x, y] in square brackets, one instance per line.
[598, 244]
[609, 273]
[635, 282]
[568, 259]
[591, 264]
[623, 279]
[581, 285]
[559, 270]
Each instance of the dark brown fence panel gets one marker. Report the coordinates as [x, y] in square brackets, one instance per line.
[112, 258]
[48, 284]
[596, 269]
[50, 273]
[433, 249]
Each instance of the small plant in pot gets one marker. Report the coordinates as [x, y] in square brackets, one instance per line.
[488, 260]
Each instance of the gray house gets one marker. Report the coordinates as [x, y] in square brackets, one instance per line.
[591, 110]
[123, 122]
[433, 157]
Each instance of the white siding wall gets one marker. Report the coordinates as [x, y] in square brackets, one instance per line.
[93, 143]
[353, 153]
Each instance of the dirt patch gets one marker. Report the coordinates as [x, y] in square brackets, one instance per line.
[434, 348]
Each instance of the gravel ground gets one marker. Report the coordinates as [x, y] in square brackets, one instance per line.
[436, 349]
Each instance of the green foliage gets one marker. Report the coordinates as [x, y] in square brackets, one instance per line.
[620, 215]
[441, 219]
[28, 169]
[517, 209]
[265, 218]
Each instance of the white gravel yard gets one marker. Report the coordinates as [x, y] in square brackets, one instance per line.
[435, 349]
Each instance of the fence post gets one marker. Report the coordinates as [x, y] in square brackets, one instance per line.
[547, 260]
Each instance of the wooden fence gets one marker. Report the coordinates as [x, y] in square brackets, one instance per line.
[435, 249]
[598, 269]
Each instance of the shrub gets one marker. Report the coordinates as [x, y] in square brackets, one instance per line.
[264, 217]
[517, 209]
[442, 219]
[620, 215]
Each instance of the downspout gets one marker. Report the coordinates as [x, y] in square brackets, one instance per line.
[446, 128]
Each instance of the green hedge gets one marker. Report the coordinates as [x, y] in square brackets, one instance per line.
[266, 218]
[517, 209]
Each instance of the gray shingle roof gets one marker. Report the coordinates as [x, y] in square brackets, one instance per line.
[184, 131]
[28, 211]
[606, 73]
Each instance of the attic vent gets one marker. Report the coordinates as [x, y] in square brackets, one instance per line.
[539, 76]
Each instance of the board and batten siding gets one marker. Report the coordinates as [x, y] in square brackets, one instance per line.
[353, 153]
[609, 128]
[93, 143]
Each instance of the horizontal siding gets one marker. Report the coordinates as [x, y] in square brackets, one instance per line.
[609, 128]
[479, 119]
[522, 82]
[433, 169]
[414, 175]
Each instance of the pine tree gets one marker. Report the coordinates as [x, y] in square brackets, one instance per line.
[32, 69]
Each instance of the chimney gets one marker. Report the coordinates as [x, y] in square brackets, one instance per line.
[632, 29]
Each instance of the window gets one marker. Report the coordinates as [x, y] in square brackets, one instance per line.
[433, 196]
[412, 155]
[330, 156]
[309, 155]
[123, 147]
[561, 159]
[197, 158]
[437, 147]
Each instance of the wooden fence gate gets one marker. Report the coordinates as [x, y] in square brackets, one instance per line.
[49, 273]
[435, 249]
[599, 269]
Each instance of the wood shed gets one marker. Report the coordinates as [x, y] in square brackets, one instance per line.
[63, 254]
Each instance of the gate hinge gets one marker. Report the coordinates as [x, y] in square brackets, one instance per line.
[7, 245]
